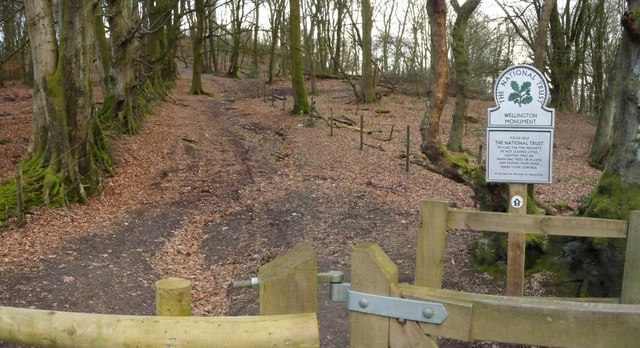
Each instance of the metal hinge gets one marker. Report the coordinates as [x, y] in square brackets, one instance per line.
[322, 277]
[392, 307]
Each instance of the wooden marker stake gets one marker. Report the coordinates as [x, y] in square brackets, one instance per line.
[408, 148]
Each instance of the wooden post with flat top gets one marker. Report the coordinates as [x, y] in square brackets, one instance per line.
[516, 242]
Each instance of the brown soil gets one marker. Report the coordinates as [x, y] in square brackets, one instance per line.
[214, 187]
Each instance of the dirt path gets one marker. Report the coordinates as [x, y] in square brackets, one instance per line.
[213, 188]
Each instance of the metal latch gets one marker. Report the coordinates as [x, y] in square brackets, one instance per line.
[392, 307]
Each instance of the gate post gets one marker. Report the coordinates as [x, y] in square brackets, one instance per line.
[289, 284]
[431, 238]
[371, 271]
[631, 278]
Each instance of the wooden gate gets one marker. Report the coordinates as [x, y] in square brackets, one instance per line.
[288, 301]
[520, 320]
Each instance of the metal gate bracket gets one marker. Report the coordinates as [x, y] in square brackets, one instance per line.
[392, 307]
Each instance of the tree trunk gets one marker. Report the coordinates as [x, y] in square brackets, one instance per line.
[236, 37]
[618, 190]
[489, 196]
[461, 65]
[276, 9]
[367, 83]
[301, 101]
[103, 54]
[337, 55]
[62, 149]
[197, 40]
[255, 54]
[567, 53]
[541, 37]
[597, 41]
[602, 140]
[430, 127]
[119, 103]
[211, 31]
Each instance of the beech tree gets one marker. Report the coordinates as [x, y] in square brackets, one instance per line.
[237, 16]
[618, 190]
[301, 100]
[65, 144]
[367, 82]
[461, 67]
[276, 16]
[117, 58]
[197, 41]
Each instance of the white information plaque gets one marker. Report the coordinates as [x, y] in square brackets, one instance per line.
[520, 129]
[519, 156]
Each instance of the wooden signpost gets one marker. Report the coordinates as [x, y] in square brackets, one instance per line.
[519, 150]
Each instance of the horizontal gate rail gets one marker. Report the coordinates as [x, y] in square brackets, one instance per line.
[536, 224]
[65, 329]
[535, 321]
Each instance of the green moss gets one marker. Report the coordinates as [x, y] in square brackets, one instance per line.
[596, 264]
[4, 141]
[612, 198]
[464, 166]
[489, 254]
[8, 204]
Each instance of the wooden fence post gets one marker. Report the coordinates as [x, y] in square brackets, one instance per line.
[631, 278]
[173, 297]
[289, 284]
[431, 238]
[516, 243]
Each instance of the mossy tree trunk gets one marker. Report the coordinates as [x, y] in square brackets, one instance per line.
[119, 105]
[301, 100]
[462, 76]
[617, 193]
[197, 40]
[367, 82]
[63, 150]
[158, 73]
[103, 53]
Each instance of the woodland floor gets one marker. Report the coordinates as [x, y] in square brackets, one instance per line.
[214, 187]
